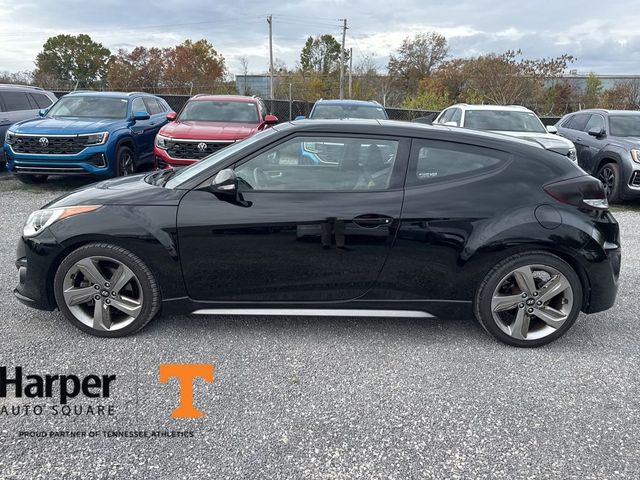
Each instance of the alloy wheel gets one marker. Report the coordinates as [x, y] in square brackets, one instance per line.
[127, 166]
[608, 178]
[532, 302]
[102, 293]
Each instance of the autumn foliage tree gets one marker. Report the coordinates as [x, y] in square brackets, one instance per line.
[192, 66]
[141, 69]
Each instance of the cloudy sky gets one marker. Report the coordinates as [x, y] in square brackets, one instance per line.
[604, 36]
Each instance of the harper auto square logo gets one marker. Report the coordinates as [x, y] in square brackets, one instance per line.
[186, 373]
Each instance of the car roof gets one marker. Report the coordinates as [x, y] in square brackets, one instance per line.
[13, 86]
[607, 112]
[401, 128]
[348, 102]
[225, 98]
[502, 108]
[93, 93]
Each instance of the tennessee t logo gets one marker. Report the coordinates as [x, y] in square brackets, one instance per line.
[186, 373]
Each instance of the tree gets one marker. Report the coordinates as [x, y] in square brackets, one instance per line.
[141, 69]
[194, 66]
[23, 77]
[322, 55]
[69, 60]
[432, 96]
[623, 95]
[417, 57]
[592, 91]
[244, 68]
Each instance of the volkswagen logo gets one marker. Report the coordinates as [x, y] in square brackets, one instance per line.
[44, 141]
[202, 146]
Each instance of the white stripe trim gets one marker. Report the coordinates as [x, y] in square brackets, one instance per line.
[310, 312]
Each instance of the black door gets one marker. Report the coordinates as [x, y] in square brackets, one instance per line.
[318, 218]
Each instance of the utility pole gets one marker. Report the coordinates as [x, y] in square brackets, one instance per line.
[270, 22]
[350, 69]
[344, 34]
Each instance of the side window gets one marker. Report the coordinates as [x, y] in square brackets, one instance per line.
[321, 163]
[41, 100]
[152, 106]
[596, 121]
[457, 116]
[579, 121]
[138, 105]
[432, 161]
[14, 101]
[565, 123]
[446, 116]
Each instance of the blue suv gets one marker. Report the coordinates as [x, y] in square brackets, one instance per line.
[103, 134]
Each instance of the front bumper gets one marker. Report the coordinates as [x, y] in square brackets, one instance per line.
[35, 273]
[93, 160]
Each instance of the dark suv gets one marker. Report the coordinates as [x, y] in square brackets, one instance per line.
[608, 147]
[20, 102]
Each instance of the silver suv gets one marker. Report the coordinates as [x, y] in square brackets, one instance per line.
[20, 102]
[512, 120]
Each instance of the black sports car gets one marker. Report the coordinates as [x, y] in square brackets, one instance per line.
[404, 219]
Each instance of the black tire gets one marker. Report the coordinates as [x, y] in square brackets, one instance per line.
[32, 179]
[484, 296]
[609, 175]
[125, 161]
[150, 291]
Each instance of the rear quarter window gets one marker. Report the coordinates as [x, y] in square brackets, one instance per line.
[435, 161]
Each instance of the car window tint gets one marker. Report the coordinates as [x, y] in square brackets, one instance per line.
[152, 106]
[321, 163]
[41, 100]
[579, 121]
[14, 101]
[432, 161]
[596, 121]
[566, 121]
[456, 116]
[446, 116]
[138, 105]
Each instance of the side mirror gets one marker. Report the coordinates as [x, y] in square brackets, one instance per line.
[43, 112]
[225, 182]
[552, 129]
[300, 117]
[140, 116]
[596, 132]
[171, 116]
[270, 119]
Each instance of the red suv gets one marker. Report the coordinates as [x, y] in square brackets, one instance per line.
[206, 124]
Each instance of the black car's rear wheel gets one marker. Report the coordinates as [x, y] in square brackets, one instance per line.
[106, 290]
[32, 179]
[529, 300]
[609, 175]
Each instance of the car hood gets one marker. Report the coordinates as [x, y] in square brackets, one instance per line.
[549, 141]
[65, 125]
[132, 190]
[209, 130]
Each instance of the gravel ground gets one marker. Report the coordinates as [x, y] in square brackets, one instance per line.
[331, 397]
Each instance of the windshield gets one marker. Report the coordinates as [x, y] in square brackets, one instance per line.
[90, 107]
[348, 111]
[185, 174]
[624, 125]
[220, 111]
[500, 120]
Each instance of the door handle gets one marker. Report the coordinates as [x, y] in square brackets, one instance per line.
[372, 220]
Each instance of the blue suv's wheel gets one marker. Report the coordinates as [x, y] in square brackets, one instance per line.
[126, 161]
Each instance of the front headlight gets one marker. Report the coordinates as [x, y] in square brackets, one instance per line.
[95, 138]
[41, 219]
[635, 154]
[573, 154]
[9, 137]
[161, 142]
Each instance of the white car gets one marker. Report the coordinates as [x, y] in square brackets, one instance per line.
[512, 120]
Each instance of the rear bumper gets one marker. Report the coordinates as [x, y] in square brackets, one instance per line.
[91, 161]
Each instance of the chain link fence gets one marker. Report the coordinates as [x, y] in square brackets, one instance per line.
[287, 110]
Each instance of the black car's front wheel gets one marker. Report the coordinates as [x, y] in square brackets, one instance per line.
[106, 290]
[529, 300]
